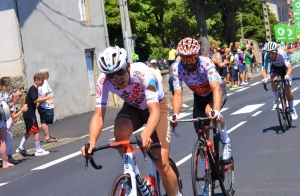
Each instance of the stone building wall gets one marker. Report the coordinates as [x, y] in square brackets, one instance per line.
[19, 125]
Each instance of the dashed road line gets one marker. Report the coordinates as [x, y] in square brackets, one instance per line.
[255, 114]
[242, 89]
[247, 109]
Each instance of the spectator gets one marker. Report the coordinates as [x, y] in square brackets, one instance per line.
[3, 133]
[6, 87]
[212, 48]
[248, 60]
[172, 54]
[46, 109]
[32, 102]
[155, 70]
[220, 64]
[253, 60]
[242, 66]
[171, 86]
[263, 53]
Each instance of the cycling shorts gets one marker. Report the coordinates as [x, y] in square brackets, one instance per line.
[161, 137]
[279, 71]
[200, 103]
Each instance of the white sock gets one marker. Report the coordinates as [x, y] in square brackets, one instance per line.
[23, 141]
[37, 146]
[275, 94]
[178, 194]
[224, 135]
[291, 103]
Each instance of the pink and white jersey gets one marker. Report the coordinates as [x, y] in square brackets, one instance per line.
[198, 81]
[280, 60]
[143, 88]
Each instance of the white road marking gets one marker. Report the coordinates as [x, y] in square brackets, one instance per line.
[229, 94]
[256, 83]
[236, 126]
[296, 66]
[296, 102]
[256, 113]
[57, 161]
[248, 109]
[184, 160]
[191, 108]
[224, 109]
[295, 89]
[242, 89]
[1, 184]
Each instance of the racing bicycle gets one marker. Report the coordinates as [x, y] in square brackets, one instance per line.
[283, 108]
[130, 183]
[208, 154]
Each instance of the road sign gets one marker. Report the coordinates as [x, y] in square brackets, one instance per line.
[296, 10]
[291, 34]
[281, 33]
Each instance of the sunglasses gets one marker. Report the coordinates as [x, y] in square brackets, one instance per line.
[188, 59]
[116, 75]
[272, 53]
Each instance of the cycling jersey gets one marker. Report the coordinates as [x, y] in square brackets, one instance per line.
[280, 60]
[198, 81]
[143, 88]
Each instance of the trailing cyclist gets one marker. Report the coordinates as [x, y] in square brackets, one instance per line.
[200, 75]
[144, 102]
[276, 62]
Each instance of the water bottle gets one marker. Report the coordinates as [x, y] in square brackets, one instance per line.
[210, 144]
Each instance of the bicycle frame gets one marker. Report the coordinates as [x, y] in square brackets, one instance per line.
[130, 164]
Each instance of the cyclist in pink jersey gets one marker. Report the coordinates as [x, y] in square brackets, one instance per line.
[144, 103]
[276, 62]
[200, 75]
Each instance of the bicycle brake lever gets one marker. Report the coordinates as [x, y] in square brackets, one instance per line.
[87, 146]
[174, 132]
[140, 143]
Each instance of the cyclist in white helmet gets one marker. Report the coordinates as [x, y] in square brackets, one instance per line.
[277, 64]
[144, 103]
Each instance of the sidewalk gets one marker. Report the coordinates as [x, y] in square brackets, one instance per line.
[77, 127]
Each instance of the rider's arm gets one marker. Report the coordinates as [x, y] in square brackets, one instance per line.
[289, 70]
[266, 64]
[96, 124]
[154, 117]
[217, 95]
[177, 101]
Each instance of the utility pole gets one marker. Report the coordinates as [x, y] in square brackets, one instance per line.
[126, 28]
[266, 18]
[242, 28]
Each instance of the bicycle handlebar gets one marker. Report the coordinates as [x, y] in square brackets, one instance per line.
[115, 145]
[277, 81]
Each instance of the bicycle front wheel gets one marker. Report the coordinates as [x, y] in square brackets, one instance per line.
[287, 110]
[201, 177]
[281, 112]
[122, 186]
[160, 186]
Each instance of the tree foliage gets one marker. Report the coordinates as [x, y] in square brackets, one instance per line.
[160, 22]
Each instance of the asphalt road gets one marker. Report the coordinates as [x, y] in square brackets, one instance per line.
[266, 160]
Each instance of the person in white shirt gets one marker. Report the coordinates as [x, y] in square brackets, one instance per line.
[46, 109]
[156, 71]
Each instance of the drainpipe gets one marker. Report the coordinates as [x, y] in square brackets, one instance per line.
[115, 98]
[22, 49]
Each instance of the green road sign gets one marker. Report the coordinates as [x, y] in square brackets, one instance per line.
[291, 34]
[280, 32]
[296, 10]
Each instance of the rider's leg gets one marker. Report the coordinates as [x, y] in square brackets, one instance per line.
[163, 136]
[123, 129]
[274, 86]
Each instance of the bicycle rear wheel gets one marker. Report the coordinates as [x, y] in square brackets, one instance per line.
[160, 186]
[280, 111]
[122, 186]
[201, 177]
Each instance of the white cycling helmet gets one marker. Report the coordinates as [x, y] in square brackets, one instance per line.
[271, 46]
[112, 59]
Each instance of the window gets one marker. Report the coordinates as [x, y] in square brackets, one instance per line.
[84, 10]
[92, 71]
